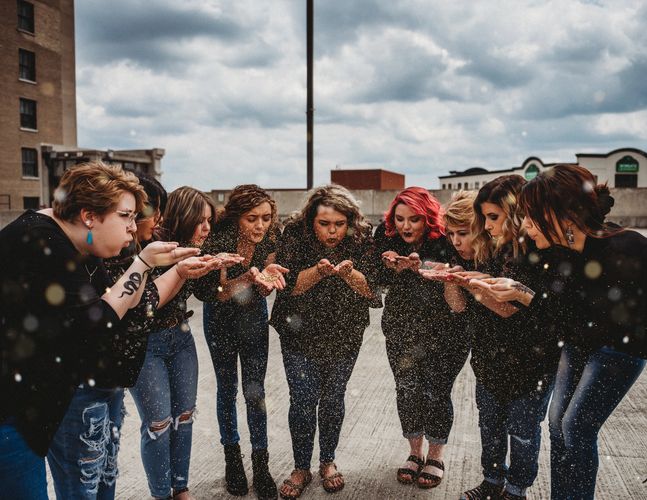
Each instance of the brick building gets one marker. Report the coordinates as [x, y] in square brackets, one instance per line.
[37, 94]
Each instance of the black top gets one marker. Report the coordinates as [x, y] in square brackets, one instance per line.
[224, 238]
[411, 299]
[613, 276]
[328, 320]
[514, 356]
[129, 350]
[54, 326]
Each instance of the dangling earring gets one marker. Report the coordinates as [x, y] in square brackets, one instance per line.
[89, 239]
[570, 237]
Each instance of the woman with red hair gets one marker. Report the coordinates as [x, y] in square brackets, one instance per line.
[424, 351]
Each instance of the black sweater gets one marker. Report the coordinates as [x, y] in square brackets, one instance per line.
[328, 320]
[613, 288]
[55, 329]
[514, 356]
[414, 306]
[224, 238]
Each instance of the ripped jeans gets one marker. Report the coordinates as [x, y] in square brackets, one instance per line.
[520, 419]
[165, 395]
[83, 453]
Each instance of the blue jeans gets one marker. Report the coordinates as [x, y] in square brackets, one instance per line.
[83, 453]
[231, 332]
[22, 472]
[520, 419]
[165, 395]
[587, 390]
[315, 383]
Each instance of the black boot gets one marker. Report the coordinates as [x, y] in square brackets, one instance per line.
[234, 471]
[264, 484]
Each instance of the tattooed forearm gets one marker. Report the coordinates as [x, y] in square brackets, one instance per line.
[523, 288]
[132, 285]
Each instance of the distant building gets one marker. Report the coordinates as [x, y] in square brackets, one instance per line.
[38, 136]
[378, 179]
[621, 168]
[37, 93]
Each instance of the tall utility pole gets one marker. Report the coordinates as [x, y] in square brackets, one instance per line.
[310, 105]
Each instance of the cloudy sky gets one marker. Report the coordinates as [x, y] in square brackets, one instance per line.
[419, 87]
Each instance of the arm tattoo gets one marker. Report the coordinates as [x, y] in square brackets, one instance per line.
[132, 285]
[523, 288]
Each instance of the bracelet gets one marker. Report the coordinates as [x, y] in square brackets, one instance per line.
[145, 263]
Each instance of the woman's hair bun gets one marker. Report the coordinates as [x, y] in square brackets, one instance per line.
[605, 200]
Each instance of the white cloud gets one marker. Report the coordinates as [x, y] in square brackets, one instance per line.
[418, 86]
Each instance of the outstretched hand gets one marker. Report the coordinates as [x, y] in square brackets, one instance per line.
[162, 253]
[400, 263]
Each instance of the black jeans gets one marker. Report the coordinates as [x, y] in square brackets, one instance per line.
[425, 370]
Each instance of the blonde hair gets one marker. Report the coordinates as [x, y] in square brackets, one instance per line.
[460, 209]
[183, 213]
[338, 198]
[96, 187]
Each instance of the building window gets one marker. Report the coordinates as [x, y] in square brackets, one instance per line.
[449, 186]
[477, 184]
[626, 180]
[28, 114]
[29, 162]
[444, 186]
[460, 185]
[32, 202]
[26, 16]
[26, 65]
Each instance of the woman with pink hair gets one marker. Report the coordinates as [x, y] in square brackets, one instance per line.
[425, 349]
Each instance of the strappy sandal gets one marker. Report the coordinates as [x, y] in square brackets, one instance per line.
[307, 479]
[407, 475]
[327, 481]
[435, 480]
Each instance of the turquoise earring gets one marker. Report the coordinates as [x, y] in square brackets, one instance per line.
[89, 239]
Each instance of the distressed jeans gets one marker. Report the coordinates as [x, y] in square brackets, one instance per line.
[83, 453]
[520, 419]
[165, 395]
[588, 388]
[233, 332]
[22, 472]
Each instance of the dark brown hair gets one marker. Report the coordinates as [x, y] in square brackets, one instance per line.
[244, 198]
[183, 213]
[568, 193]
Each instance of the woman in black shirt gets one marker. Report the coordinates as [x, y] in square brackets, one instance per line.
[321, 316]
[236, 326]
[424, 350]
[59, 313]
[605, 352]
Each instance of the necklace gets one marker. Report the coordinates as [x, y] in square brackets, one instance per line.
[90, 274]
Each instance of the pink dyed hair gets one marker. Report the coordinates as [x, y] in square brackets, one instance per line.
[422, 203]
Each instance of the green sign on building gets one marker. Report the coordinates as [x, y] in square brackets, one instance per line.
[531, 172]
[627, 165]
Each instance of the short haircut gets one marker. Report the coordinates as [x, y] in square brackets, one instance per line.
[96, 187]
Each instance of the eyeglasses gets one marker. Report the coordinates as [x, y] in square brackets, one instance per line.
[130, 215]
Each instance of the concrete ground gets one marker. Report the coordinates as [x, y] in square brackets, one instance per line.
[371, 447]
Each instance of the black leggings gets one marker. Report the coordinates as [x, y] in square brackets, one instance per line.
[425, 368]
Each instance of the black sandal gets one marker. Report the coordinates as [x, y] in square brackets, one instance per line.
[435, 480]
[407, 475]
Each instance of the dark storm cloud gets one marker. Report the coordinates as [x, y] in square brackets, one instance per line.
[138, 31]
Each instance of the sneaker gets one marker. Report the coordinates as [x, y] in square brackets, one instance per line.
[509, 496]
[484, 491]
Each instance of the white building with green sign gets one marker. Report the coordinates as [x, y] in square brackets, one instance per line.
[621, 168]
